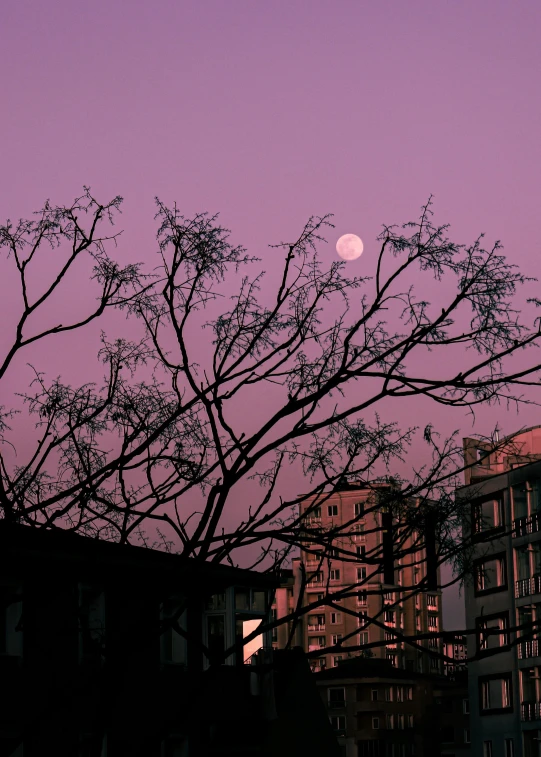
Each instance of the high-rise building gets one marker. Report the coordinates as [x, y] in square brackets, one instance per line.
[502, 502]
[360, 593]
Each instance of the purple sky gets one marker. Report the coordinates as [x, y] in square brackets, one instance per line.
[271, 111]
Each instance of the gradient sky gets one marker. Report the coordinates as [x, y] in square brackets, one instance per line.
[271, 111]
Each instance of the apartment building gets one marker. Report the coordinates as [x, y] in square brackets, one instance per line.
[378, 710]
[502, 499]
[381, 589]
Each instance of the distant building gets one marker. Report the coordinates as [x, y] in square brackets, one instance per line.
[101, 656]
[380, 593]
[502, 496]
[378, 710]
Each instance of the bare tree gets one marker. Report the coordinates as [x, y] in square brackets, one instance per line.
[161, 447]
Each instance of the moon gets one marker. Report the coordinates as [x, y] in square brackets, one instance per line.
[350, 247]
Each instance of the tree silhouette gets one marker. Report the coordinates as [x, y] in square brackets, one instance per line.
[159, 449]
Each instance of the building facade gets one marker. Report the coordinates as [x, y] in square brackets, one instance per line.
[502, 504]
[371, 591]
[378, 710]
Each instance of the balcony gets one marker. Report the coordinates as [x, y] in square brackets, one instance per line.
[524, 587]
[530, 711]
[337, 704]
[528, 649]
[316, 626]
[527, 525]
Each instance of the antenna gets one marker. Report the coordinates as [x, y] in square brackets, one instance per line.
[497, 434]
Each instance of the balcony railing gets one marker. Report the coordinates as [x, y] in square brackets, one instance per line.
[527, 525]
[524, 587]
[528, 649]
[316, 626]
[530, 711]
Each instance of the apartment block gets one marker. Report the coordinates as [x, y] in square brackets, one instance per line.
[362, 586]
[502, 501]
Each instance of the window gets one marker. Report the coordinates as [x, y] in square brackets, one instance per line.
[434, 663]
[316, 642]
[91, 622]
[488, 514]
[390, 721]
[432, 622]
[466, 706]
[316, 578]
[336, 617]
[363, 638]
[358, 509]
[399, 693]
[362, 597]
[431, 600]
[509, 750]
[409, 693]
[390, 617]
[375, 724]
[467, 736]
[409, 720]
[495, 692]
[173, 644]
[316, 512]
[337, 697]
[335, 574]
[492, 631]
[336, 659]
[490, 574]
[391, 657]
[361, 574]
[374, 695]
[338, 723]
[332, 511]
[361, 552]
[316, 622]
[487, 748]
[525, 499]
[336, 638]
[388, 693]
[11, 621]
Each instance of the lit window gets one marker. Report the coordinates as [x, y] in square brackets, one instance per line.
[338, 723]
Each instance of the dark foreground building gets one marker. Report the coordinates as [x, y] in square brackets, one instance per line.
[101, 656]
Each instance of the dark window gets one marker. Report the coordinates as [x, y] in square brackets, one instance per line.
[332, 511]
[447, 734]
